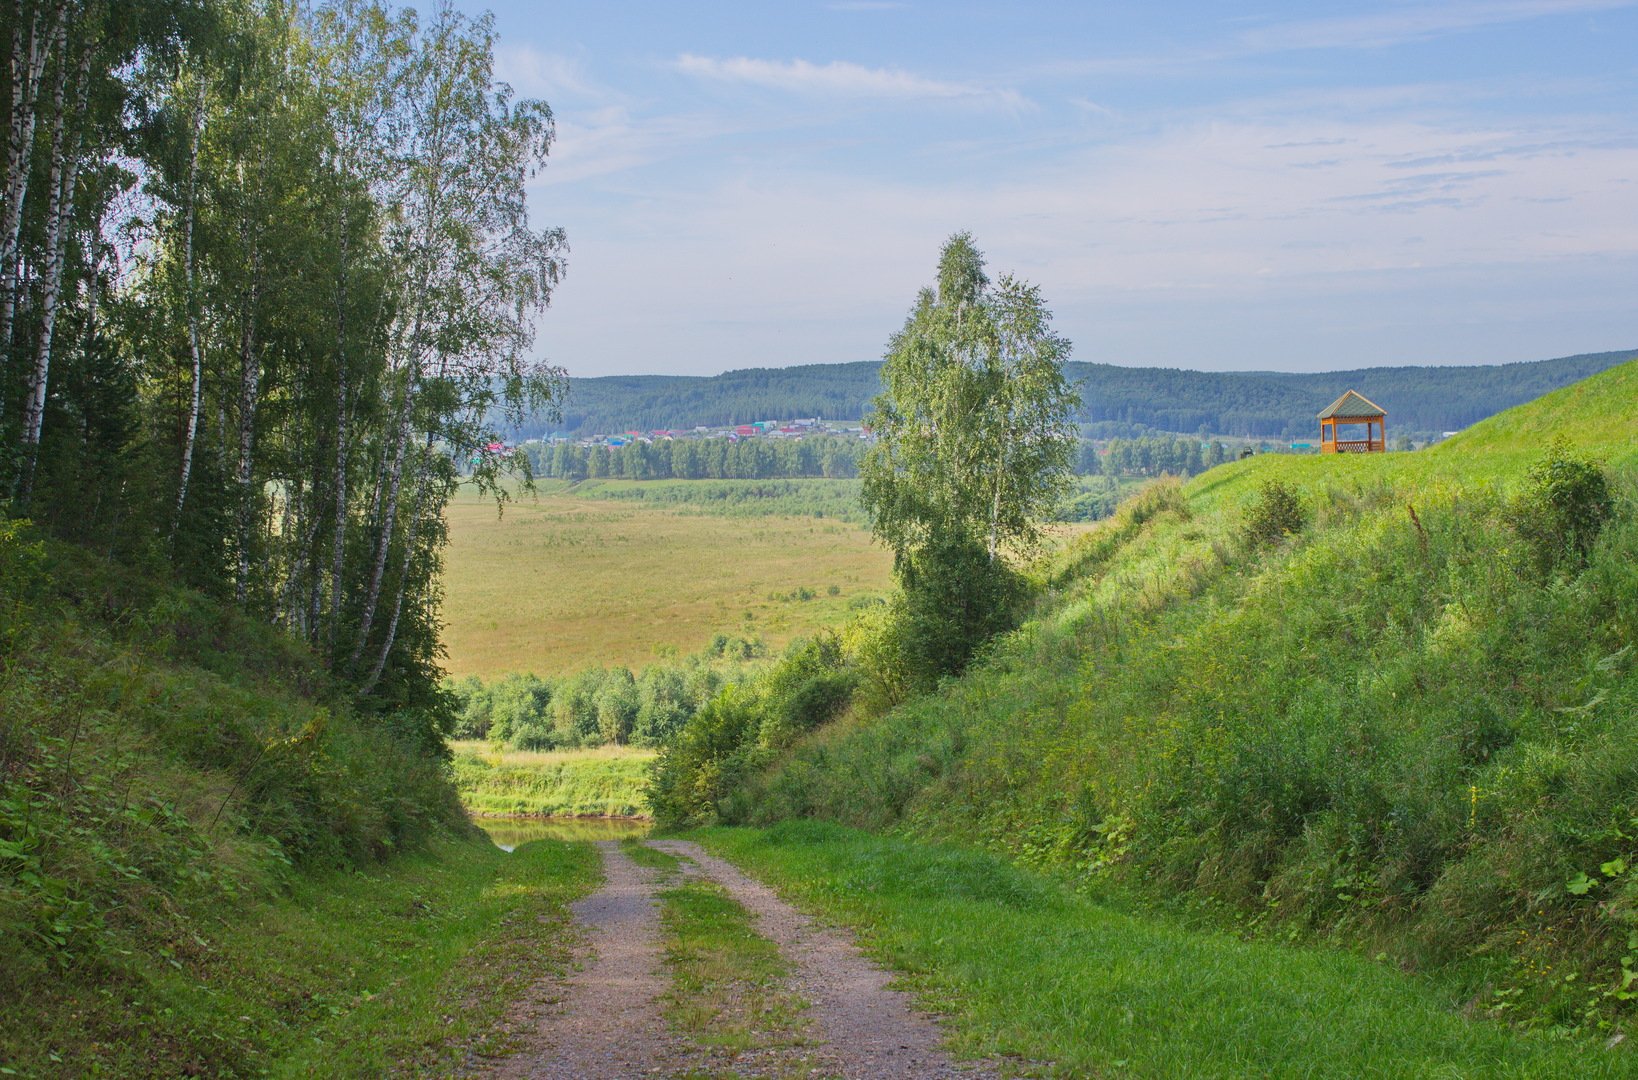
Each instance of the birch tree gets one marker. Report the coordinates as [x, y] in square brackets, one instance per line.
[972, 452]
[472, 275]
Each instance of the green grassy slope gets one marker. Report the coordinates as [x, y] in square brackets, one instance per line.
[1029, 972]
[1393, 730]
[172, 775]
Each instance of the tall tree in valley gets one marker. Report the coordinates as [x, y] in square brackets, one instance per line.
[973, 449]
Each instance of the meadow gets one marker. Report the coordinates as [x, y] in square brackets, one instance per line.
[600, 782]
[569, 581]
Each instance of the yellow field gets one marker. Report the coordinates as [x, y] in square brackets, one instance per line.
[563, 583]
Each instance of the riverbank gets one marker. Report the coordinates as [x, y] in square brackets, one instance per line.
[601, 782]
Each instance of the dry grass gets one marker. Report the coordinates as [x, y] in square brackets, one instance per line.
[560, 584]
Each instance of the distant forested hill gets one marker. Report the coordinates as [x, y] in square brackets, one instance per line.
[1117, 400]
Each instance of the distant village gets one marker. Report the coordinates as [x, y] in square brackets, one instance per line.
[769, 429]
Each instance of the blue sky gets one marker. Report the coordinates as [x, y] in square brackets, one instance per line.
[1282, 186]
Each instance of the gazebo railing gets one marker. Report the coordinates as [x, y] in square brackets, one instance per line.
[1359, 446]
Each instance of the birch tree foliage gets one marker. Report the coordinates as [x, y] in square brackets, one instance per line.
[267, 280]
[973, 433]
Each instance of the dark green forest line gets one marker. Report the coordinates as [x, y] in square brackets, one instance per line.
[837, 457]
[1421, 402]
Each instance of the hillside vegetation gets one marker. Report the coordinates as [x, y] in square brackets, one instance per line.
[186, 799]
[1116, 400]
[1386, 700]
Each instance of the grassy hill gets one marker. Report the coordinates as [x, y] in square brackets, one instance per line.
[210, 864]
[1116, 400]
[1410, 725]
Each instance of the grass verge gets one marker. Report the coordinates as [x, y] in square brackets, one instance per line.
[1028, 970]
[729, 985]
[406, 969]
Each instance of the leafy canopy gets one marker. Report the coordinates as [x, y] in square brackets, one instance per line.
[974, 440]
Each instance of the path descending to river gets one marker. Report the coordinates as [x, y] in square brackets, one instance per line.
[605, 1020]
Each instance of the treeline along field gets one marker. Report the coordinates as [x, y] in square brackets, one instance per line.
[1423, 401]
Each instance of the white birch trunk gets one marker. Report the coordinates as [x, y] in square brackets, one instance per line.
[338, 543]
[65, 165]
[27, 70]
[249, 386]
[194, 352]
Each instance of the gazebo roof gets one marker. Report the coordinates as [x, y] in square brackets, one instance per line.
[1350, 406]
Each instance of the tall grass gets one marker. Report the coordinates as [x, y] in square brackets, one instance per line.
[600, 782]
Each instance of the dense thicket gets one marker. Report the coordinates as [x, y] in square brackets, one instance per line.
[265, 271]
[1116, 401]
[601, 706]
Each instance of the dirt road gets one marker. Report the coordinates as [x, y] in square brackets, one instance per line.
[607, 1022]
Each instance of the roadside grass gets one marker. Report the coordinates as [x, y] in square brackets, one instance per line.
[1027, 970]
[406, 968]
[562, 583]
[1391, 730]
[728, 983]
[602, 782]
[652, 858]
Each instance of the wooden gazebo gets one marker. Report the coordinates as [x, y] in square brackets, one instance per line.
[1354, 408]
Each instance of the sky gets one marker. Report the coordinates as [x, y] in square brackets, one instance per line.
[1282, 186]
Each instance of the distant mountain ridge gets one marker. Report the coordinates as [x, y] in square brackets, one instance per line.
[1116, 400]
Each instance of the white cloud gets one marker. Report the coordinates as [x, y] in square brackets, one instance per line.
[537, 74]
[839, 78]
[1142, 248]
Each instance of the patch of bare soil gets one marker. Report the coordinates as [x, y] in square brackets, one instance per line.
[605, 1021]
[865, 1029]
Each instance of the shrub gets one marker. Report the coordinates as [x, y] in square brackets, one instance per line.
[1564, 505]
[955, 599]
[1276, 513]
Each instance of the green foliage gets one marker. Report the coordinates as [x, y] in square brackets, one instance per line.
[163, 758]
[956, 598]
[692, 458]
[1276, 514]
[1563, 506]
[972, 455]
[1397, 733]
[972, 427]
[1028, 971]
[601, 706]
[700, 772]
